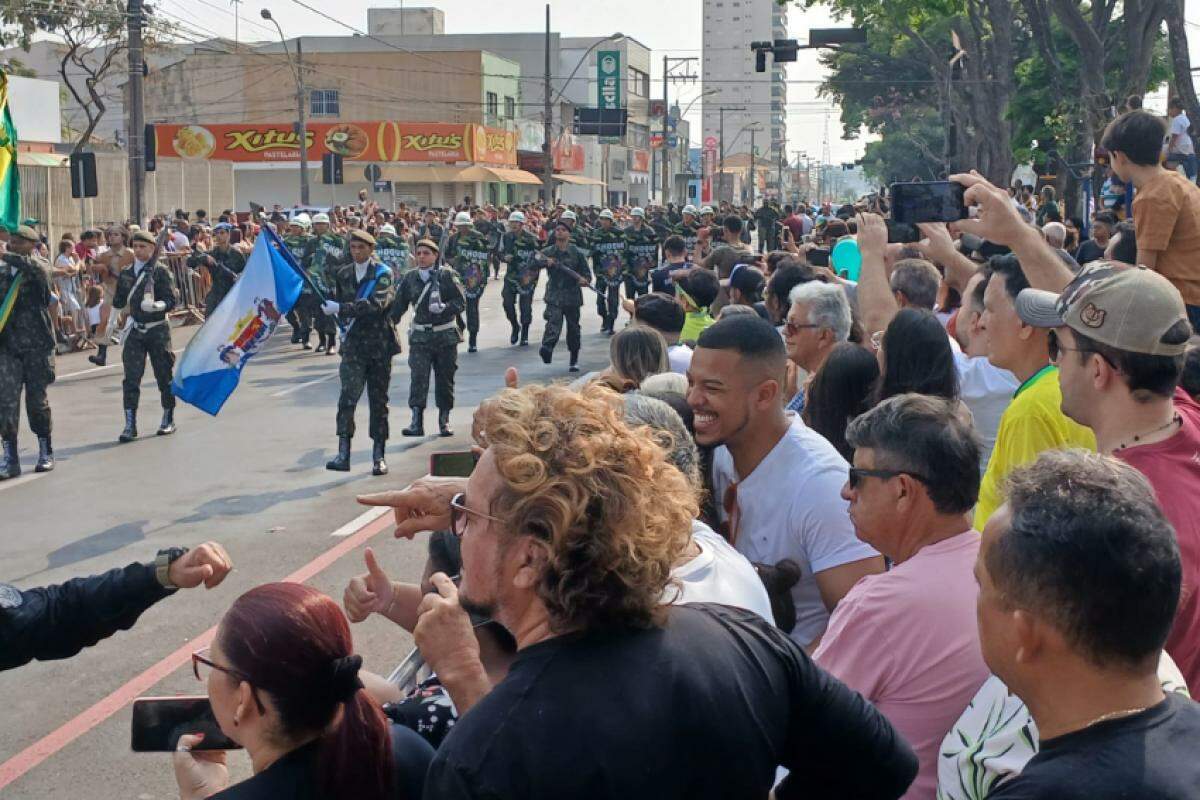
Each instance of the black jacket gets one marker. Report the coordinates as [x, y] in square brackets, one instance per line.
[53, 622]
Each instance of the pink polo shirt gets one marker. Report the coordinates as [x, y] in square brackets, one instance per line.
[907, 640]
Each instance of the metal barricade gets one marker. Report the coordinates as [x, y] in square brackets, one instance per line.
[192, 286]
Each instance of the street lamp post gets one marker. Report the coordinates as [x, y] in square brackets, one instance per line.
[300, 104]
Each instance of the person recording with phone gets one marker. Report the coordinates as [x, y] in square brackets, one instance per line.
[55, 622]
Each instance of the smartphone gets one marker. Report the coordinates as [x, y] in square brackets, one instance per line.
[158, 722]
[899, 233]
[818, 257]
[458, 464]
[933, 201]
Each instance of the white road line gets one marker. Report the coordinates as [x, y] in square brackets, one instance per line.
[26, 477]
[300, 386]
[361, 521]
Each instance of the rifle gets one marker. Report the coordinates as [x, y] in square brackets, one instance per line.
[110, 333]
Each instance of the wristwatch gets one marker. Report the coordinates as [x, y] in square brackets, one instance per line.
[162, 565]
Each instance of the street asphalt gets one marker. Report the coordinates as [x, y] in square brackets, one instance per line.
[254, 479]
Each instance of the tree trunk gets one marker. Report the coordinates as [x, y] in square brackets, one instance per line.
[1181, 60]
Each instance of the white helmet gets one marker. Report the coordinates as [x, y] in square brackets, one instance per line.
[388, 229]
[462, 218]
[638, 212]
[707, 210]
[568, 214]
[689, 209]
[322, 217]
[516, 216]
[606, 214]
[302, 220]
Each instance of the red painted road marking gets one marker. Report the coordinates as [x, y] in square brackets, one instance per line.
[55, 741]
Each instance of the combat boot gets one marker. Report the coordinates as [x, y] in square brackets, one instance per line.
[167, 426]
[130, 432]
[45, 461]
[380, 466]
[546, 353]
[444, 422]
[471, 348]
[417, 428]
[101, 357]
[524, 336]
[341, 462]
[574, 367]
[10, 464]
[515, 333]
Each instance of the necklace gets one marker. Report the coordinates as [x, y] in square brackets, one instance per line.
[1175, 420]
[1128, 712]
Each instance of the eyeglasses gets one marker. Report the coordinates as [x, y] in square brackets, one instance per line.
[794, 327]
[198, 659]
[857, 474]
[1057, 348]
[458, 515]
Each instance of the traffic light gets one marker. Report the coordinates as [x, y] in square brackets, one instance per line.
[824, 37]
[785, 50]
[331, 168]
[150, 143]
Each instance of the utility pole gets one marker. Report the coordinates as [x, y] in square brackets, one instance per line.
[666, 152]
[753, 173]
[547, 166]
[302, 107]
[135, 118]
[721, 139]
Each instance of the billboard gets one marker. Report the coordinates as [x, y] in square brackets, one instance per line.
[383, 141]
[608, 87]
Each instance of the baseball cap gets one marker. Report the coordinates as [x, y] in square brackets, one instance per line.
[1126, 308]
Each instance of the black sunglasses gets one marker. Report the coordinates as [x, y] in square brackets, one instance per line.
[857, 475]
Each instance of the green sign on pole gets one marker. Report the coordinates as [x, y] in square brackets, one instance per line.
[608, 85]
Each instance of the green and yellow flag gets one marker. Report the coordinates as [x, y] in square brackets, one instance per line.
[10, 176]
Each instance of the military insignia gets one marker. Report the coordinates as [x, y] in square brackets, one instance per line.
[1091, 316]
[10, 596]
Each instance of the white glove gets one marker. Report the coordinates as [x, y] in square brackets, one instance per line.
[330, 307]
[150, 306]
[437, 308]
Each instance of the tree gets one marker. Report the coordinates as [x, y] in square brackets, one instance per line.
[93, 33]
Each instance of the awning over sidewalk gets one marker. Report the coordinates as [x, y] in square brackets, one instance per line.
[421, 173]
[41, 159]
[579, 180]
[497, 175]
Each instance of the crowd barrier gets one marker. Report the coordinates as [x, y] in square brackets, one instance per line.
[192, 286]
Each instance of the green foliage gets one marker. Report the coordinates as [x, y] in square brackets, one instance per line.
[103, 20]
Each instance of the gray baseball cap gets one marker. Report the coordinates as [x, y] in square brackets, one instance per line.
[1127, 308]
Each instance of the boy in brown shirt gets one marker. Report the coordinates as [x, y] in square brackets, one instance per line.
[1166, 208]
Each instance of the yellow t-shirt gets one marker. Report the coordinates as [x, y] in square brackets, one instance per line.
[1033, 422]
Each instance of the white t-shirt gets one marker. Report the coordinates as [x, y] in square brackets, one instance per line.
[679, 356]
[1179, 127]
[987, 390]
[791, 507]
[719, 574]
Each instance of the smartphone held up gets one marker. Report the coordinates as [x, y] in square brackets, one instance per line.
[158, 722]
[930, 201]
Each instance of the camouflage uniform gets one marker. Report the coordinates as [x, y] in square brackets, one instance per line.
[395, 253]
[690, 233]
[229, 265]
[520, 280]
[323, 257]
[564, 297]
[642, 254]
[150, 334]
[368, 347]
[296, 246]
[609, 255]
[469, 253]
[432, 338]
[26, 346]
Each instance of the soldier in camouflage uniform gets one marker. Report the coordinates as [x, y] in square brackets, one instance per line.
[324, 256]
[26, 351]
[641, 250]
[567, 272]
[224, 263]
[518, 248]
[609, 253]
[362, 296]
[393, 251]
[150, 295]
[468, 252]
[435, 296]
[688, 229]
[295, 238]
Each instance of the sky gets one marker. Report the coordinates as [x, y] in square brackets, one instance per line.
[667, 26]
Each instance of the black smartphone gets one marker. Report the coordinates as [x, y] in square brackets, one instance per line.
[158, 722]
[459, 464]
[899, 233]
[818, 257]
[933, 201]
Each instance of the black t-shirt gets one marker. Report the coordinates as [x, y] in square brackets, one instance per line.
[706, 706]
[1089, 251]
[1146, 756]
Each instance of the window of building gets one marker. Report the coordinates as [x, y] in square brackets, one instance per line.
[323, 103]
[510, 107]
[639, 82]
[492, 102]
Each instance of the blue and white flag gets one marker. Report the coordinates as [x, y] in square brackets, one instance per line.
[209, 369]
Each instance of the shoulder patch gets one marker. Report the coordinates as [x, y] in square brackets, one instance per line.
[10, 596]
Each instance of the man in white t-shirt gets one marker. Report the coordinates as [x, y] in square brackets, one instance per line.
[777, 482]
[1180, 149]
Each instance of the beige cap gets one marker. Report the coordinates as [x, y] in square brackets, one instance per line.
[362, 236]
[1127, 308]
[27, 233]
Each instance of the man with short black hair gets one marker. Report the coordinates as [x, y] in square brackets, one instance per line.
[1079, 580]
[696, 291]
[778, 481]
[726, 256]
[1102, 229]
[1166, 208]
[1119, 337]
[675, 261]
[661, 312]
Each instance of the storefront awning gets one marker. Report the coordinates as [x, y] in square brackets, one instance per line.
[497, 175]
[579, 180]
[41, 159]
[421, 173]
